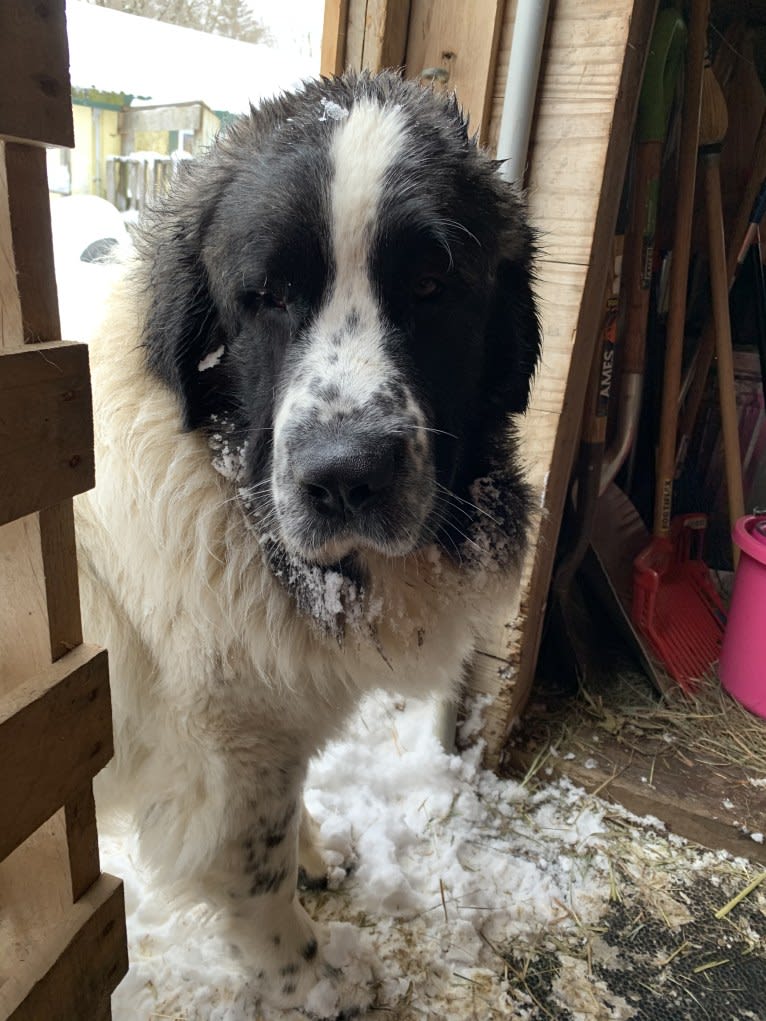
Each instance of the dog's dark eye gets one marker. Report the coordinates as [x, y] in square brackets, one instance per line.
[252, 301]
[424, 287]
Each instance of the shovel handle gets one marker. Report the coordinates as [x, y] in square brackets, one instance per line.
[679, 270]
[722, 326]
[640, 254]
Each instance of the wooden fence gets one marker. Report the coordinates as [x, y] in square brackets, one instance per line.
[132, 182]
[62, 922]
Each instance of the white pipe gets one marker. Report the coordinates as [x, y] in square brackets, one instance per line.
[521, 88]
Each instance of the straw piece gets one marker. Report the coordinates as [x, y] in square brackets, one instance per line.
[724, 911]
[709, 965]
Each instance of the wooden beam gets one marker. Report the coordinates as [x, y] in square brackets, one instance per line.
[385, 34]
[356, 19]
[73, 974]
[82, 840]
[46, 427]
[62, 590]
[11, 329]
[648, 777]
[55, 735]
[333, 55]
[34, 72]
[442, 36]
[30, 216]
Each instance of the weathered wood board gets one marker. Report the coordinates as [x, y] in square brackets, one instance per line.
[591, 72]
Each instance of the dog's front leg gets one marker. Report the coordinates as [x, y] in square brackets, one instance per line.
[271, 932]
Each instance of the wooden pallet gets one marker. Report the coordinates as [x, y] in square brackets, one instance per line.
[62, 922]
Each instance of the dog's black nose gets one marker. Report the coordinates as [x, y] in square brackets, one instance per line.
[343, 477]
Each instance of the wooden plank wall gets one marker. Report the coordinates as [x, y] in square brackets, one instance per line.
[592, 68]
[591, 72]
[62, 922]
[443, 35]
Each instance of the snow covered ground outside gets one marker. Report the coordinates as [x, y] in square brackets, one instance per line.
[180, 65]
[458, 876]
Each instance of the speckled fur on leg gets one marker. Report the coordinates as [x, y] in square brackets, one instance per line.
[252, 886]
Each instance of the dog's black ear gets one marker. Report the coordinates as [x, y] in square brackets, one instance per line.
[513, 331]
[182, 326]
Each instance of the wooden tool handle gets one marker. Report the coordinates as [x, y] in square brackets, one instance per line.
[701, 365]
[639, 254]
[719, 285]
[679, 270]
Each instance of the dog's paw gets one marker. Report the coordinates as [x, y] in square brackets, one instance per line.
[346, 988]
[324, 859]
[332, 982]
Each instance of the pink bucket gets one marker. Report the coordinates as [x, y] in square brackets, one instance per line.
[742, 667]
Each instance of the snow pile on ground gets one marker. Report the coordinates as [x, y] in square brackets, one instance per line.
[453, 867]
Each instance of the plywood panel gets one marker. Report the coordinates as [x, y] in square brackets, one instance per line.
[71, 975]
[24, 647]
[591, 72]
[31, 910]
[441, 35]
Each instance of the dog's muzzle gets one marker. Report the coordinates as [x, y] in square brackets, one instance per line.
[351, 483]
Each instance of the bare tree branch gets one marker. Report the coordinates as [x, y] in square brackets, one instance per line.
[231, 18]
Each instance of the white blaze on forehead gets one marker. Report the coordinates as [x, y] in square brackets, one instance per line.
[363, 149]
[347, 338]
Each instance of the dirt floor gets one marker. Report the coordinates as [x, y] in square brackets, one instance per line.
[658, 951]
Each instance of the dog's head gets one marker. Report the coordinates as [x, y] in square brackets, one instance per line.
[339, 293]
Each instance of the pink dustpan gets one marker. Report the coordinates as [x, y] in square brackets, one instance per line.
[742, 667]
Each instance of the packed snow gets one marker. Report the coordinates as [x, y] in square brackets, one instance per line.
[211, 360]
[453, 866]
[333, 111]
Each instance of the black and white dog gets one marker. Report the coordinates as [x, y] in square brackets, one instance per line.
[307, 478]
